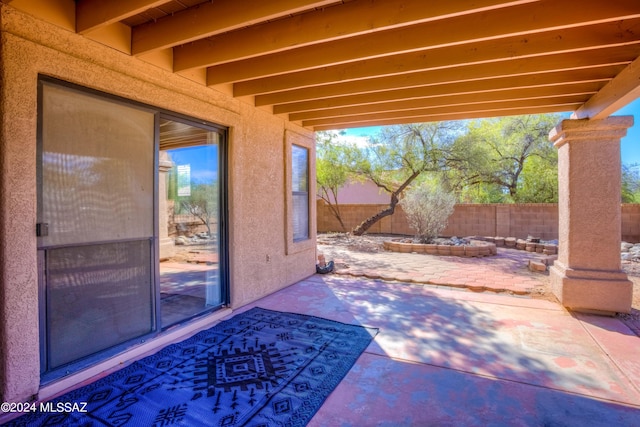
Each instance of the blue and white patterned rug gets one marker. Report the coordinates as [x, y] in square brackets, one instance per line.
[259, 368]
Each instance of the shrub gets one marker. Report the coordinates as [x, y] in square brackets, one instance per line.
[428, 209]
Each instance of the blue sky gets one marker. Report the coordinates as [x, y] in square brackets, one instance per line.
[631, 142]
[203, 160]
[630, 145]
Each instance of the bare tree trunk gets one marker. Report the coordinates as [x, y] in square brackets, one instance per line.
[367, 223]
[395, 198]
[334, 208]
[336, 213]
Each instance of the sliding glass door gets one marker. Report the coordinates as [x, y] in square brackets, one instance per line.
[190, 229]
[129, 229]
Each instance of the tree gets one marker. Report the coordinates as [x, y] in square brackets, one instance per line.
[497, 152]
[333, 169]
[630, 184]
[202, 203]
[398, 155]
[539, 181]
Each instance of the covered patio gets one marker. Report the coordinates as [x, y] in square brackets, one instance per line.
[342, 64]
[258, 78]
[448, 357]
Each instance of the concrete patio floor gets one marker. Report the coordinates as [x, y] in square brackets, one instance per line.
[449, 357]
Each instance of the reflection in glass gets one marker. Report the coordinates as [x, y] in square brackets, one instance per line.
[189, 221]
[300, 187]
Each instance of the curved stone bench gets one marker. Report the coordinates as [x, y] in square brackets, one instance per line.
[476, 248]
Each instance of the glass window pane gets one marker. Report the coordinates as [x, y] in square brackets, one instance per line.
[97, 169]
[189, 221]
[299, 168]
[98, 296]
[300, 216]
[300, 188]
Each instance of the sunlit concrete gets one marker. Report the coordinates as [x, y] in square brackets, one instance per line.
[450, 357]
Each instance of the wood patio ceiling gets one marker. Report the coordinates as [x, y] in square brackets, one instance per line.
[330, 64]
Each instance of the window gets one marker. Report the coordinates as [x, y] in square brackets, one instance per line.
[300, 194]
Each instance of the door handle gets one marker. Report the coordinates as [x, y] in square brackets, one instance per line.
[42, 229]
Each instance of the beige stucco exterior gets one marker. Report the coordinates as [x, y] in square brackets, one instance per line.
[589, 216]
[260, 262]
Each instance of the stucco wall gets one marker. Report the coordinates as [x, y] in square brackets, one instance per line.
[357, 192]
[257, 245]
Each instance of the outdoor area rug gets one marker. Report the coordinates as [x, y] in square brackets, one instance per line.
[259, 368]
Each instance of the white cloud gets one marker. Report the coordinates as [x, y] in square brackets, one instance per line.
[359, 141]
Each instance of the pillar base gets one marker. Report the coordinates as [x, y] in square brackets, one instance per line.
[591, 291]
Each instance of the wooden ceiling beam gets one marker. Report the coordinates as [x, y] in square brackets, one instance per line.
[574, 100]
[456, 116]
[543, 44]
[93, 14]
[478, 27]
[331, 62]
[620, 91]
[532, 68]
[584, 90]
[538, 81]
[331, 23]
[570, 102]
[208, 19]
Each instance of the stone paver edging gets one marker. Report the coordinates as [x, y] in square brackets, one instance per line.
[475, 248]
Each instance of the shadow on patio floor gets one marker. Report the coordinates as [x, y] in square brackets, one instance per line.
[448, 357]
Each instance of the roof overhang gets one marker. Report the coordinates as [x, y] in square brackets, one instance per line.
[329, 64]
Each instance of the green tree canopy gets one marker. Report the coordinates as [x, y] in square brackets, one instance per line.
[334, 168]
[630, 184]
[512, 155]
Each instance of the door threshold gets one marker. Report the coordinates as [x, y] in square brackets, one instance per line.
[127, 357]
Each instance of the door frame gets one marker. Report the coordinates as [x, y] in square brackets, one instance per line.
[157, 330]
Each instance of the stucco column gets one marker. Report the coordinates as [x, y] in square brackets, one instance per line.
[166, 244]
[588, 276]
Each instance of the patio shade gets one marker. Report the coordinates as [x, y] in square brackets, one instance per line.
[329, 64]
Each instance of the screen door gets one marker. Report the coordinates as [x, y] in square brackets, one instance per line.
[95, 224]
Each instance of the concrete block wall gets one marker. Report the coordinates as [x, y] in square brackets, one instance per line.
[508, 220]
[537, 220]
[472, 219]
[630, 223]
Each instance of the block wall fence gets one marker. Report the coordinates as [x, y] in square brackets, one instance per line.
[506, 220]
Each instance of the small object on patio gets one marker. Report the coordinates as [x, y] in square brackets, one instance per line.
[321, 260]
[261, 367]
[328, 268]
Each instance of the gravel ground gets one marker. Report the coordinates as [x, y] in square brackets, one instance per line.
[367, 243]
[632, 268]
[373, 243]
